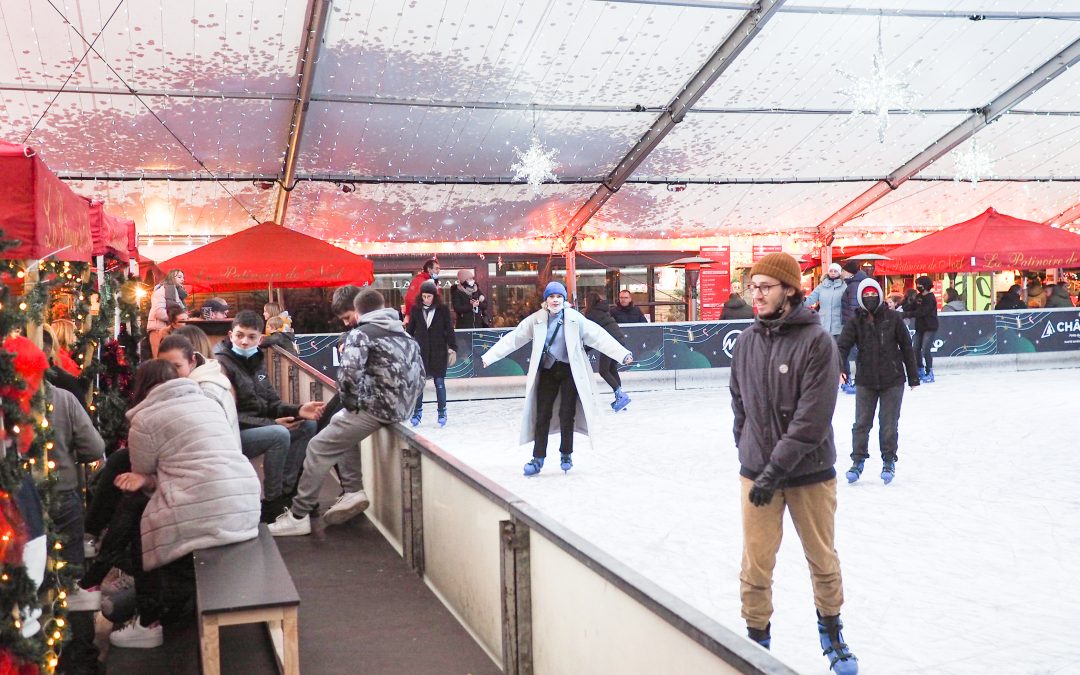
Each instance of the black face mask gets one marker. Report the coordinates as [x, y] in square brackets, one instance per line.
[871, 302]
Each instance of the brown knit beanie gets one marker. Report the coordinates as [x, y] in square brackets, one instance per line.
[781, 267]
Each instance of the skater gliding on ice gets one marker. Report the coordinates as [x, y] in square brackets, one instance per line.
[885, 356]
[784, 372]
[559, 371]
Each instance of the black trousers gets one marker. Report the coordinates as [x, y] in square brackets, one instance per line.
[887, 404]
[609, 370]
[104, 496]
[555, 382]
[924, 341]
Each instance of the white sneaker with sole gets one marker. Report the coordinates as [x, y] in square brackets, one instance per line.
[288, 526]
[82, 600]
[137, 636]
[347, 506]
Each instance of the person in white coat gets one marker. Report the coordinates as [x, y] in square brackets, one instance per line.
[559, 372]
[178, 350]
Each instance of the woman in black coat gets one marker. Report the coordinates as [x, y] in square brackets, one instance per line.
[431, 326]
[597, 311]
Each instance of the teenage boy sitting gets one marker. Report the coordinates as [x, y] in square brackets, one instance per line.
[267, 425]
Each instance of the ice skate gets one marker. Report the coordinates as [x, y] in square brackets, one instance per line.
[841, 660]
[855, 471]
[888, 471]
[534, 466]
[566, 463]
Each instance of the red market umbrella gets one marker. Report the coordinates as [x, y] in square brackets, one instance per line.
[270, 254]
[39, 210]
[988, 242]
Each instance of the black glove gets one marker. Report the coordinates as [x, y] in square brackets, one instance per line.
[766, 484]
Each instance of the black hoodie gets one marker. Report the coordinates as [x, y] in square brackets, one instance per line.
[884, 344]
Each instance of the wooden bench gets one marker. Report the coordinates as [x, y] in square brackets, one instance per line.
[247, 583]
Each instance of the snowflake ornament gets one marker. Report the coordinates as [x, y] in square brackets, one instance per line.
[536, 165]
[881, 91]
[975, 164]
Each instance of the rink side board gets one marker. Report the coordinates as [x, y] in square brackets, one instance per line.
[688, 346]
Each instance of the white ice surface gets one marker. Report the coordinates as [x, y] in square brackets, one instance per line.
[967, 563]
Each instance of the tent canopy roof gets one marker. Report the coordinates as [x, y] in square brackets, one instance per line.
[990, 241]
[269, 254]
[418, 109]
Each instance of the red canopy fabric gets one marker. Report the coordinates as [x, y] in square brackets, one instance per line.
[39, 210]
[840, 253]
[990, 241]
[269, 253]
[111, 234]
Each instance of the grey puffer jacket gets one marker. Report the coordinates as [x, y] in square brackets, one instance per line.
[784, 377]
[207, 491]
[381, 371]
[829, 296]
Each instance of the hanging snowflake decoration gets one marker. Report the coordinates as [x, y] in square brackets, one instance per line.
[974, 164]
[536, 165]
[881, 91]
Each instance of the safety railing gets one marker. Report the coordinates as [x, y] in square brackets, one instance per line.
[537, 597]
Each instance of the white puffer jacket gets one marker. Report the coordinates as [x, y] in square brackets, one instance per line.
[207, 491]
[216, 385]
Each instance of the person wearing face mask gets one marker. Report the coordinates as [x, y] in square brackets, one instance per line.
[429, 273]
[924, 311]
[470, 305]
[267, 425]
[886, 359]
[559, 372]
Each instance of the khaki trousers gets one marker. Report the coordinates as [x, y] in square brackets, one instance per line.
[813, 510]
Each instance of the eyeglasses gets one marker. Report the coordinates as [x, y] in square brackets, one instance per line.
[763, 288]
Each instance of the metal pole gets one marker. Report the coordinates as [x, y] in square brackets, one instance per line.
[571, 274]
[316, 27]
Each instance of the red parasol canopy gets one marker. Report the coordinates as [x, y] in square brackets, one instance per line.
[39, 210]
[269, 253]
[990, 241]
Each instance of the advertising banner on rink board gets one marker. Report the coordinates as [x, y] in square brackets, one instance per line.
[715, 282]
[709, 344]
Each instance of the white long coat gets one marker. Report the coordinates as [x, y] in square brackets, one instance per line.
[579, 332]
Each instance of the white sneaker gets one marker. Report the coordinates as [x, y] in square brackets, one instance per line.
[288, 526]
[90, 547]
[137, 636]
[82, 600]
[348, 505]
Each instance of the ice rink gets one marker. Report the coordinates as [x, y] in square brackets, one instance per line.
[967, 563]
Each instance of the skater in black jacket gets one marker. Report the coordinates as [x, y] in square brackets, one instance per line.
[885, 361]
[597, 311]
[926, 324]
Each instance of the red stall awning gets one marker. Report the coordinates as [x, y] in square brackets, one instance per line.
[988, 242]
[39, 210]
[111, 234]
[270, 254]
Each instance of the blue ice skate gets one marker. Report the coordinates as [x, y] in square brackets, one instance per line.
[534, 466]
[566, 463]
[841, 660]
[760, 635]
[927, 377]
[442, 418]
[847, 388]
[415, 419]
[888, 471]
[621, 401]
[855, 471]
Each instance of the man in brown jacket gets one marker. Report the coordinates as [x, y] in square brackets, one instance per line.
[784, 372]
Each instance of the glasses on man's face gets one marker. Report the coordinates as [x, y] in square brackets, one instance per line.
[764, 289]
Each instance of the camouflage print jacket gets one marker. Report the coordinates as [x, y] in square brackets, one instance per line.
[381, 371]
